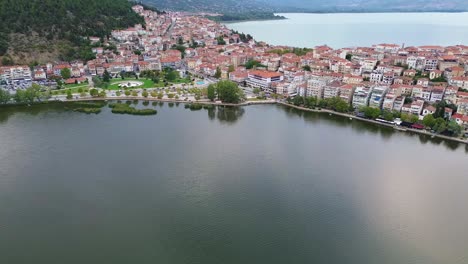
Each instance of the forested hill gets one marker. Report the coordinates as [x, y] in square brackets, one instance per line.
[42, 30]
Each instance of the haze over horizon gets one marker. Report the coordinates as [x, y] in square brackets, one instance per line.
[239, 6]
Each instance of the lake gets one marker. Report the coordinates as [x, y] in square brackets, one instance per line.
[360, 29]
[259, 184]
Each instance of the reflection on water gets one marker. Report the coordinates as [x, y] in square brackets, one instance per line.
[230, 115]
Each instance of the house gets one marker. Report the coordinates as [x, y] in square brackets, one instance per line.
[398, 104]
[332, 89]
[450, 94]
[437, 94]
[375, 76]
[378, 96]
[414, 108]
[424, 82]
[315, 87]
[389, 101]
[461, 119]
[263, 79]
[428, 110]
[462, 106]
[238, 76]
[361, 96]
[346, 92]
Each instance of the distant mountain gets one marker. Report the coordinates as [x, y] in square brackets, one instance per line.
[249, 6]
[369, 5]
[44, 30]
[219, 6]
[231, 9]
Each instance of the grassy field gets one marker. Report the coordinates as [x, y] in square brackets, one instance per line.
[114, 84]
[73, 87]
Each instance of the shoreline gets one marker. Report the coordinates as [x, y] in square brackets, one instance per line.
[412, 130]
[261, 102]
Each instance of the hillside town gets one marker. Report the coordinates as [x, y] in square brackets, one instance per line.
[391, 77]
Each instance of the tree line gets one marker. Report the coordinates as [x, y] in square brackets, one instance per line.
[70, 20]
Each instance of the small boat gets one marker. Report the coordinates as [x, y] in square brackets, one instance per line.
[350, 118]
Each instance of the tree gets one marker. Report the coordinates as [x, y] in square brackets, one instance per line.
[30, 95]
[144, 93]
[106, 76]
[306, 68]
[229, 92]
[5, 96]
[252, 64]
[65, 73]
[171, 75]
[440, 125]
[298, 100]
[256, 90]
[218, 73]
[69, 94]
[231, 68]
[310, 101]
[7, 60]
[371, 112]
[94, 92]
[414, 118]
[341, 106]
[211, 92]
[454, 127]
[127, 93]
[349, 56]
[429, 121]
[220, 40]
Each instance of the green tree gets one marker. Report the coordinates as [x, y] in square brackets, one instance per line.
[229, 92]
[218, 73]
[306, 68]
[220, 40]
[414, 118]
[371, 112]
[30, 95]
[65, 73]
[94, 92]
[7, 60]
[454, 127]
[341, 106]
[5, 96]
[256, 90]
[106, 77]
[69, 94]
[231, 68]
[429, 121]
[127, 93]
[298, 100]
[440, 125]
[144, 93]
[171, 76]
[211, 92]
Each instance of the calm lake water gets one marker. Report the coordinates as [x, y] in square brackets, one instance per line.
[260, 184]
[347, 30]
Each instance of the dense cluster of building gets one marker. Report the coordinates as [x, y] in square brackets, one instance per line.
[384, 76]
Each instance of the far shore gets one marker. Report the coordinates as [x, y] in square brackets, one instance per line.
[262, 102]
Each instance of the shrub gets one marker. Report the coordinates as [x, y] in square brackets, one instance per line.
[126, 109]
